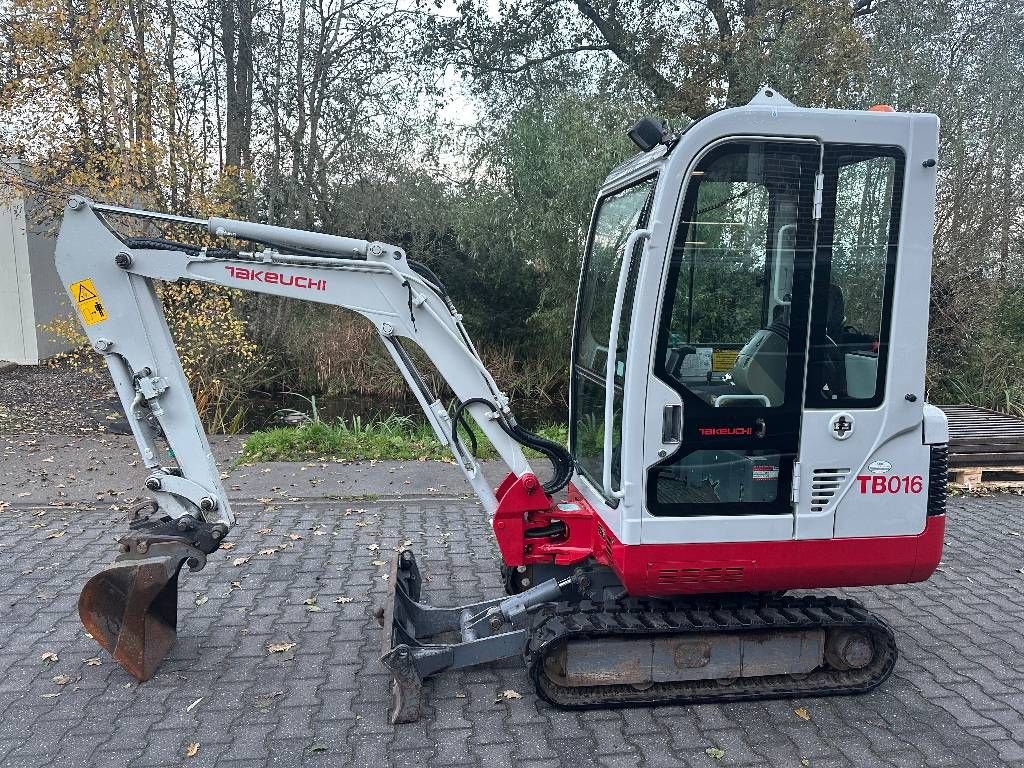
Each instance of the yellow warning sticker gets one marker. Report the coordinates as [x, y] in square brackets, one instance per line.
[723, 359]
[88, 301]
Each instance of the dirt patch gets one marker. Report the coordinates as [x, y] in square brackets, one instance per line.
[59, 398]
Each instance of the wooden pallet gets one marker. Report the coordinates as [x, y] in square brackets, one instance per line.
[986, 448]
[987, 477]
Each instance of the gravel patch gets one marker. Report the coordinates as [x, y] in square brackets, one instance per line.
[62, 397]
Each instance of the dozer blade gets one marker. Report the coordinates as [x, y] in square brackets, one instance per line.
[131, 609]
[421, 640]
[406, 685]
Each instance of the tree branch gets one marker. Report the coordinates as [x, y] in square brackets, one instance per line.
[617, 38]
[528, 63]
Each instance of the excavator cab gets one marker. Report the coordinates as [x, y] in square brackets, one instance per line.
[750, 344]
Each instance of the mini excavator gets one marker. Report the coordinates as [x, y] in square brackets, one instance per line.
[746, 416]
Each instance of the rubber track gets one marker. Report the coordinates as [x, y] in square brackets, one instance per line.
[651, 618]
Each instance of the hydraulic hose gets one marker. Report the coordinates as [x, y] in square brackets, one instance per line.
[560, 458]
[162, 244]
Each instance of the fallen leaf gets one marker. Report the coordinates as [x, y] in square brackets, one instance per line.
[93, 662]
[50, 695]
[715, 752]
[294, 537]
[460, 695]
[802, 713]
[264, 531]
[56, 534]
[313, 608]
[343, 600]
[373, 547]
[508, 694]
[263, 701]
[194, 704]
[269, 551]
[310, 600]
[63, 679]
[318, 748]
[379, 562]
[236, 585]
[240, 561]
[192, 749]
[201, 599]
[50, 657]
[264, 499]
[227, 545]
[280, 647]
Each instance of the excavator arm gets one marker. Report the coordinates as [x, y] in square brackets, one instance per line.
[131, 607]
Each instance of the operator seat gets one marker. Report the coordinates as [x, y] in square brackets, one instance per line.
[760, 367]
[833, 356]
[836, 318]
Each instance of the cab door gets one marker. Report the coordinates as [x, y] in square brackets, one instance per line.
[731, 342]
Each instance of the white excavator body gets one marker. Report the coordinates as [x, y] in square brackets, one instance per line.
[747, 416]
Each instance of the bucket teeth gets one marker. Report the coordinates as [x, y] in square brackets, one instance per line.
[131, 609]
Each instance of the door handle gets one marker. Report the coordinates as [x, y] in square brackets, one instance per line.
[672, 424]
[635, 237]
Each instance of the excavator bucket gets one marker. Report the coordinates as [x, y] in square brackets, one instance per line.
[131, 609]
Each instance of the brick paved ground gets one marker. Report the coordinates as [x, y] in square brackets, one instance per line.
[956, 698]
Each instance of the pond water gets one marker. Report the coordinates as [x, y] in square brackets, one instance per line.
[265, 411]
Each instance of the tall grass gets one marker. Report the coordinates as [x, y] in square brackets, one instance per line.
[394, 437]
[335, 352]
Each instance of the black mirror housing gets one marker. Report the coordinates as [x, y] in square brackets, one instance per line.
[647, 133]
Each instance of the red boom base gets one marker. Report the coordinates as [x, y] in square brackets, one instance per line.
[678, 569]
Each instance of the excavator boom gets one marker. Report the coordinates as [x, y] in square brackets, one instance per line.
[131, 607]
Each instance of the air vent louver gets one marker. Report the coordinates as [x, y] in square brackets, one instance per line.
[825, 483]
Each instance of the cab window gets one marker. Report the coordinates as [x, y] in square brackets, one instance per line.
[732, 273]
[854, 275]
[617, 216]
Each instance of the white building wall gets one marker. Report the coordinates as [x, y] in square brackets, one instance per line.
[30, 290]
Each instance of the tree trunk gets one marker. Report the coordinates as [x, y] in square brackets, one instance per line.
[172, 104]
[236, 47]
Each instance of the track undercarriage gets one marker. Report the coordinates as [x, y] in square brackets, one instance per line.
[587, 648]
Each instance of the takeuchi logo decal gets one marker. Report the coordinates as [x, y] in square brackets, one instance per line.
[725, 431]
[276, 278]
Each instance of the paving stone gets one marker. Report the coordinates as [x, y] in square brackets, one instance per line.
[956, 697]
